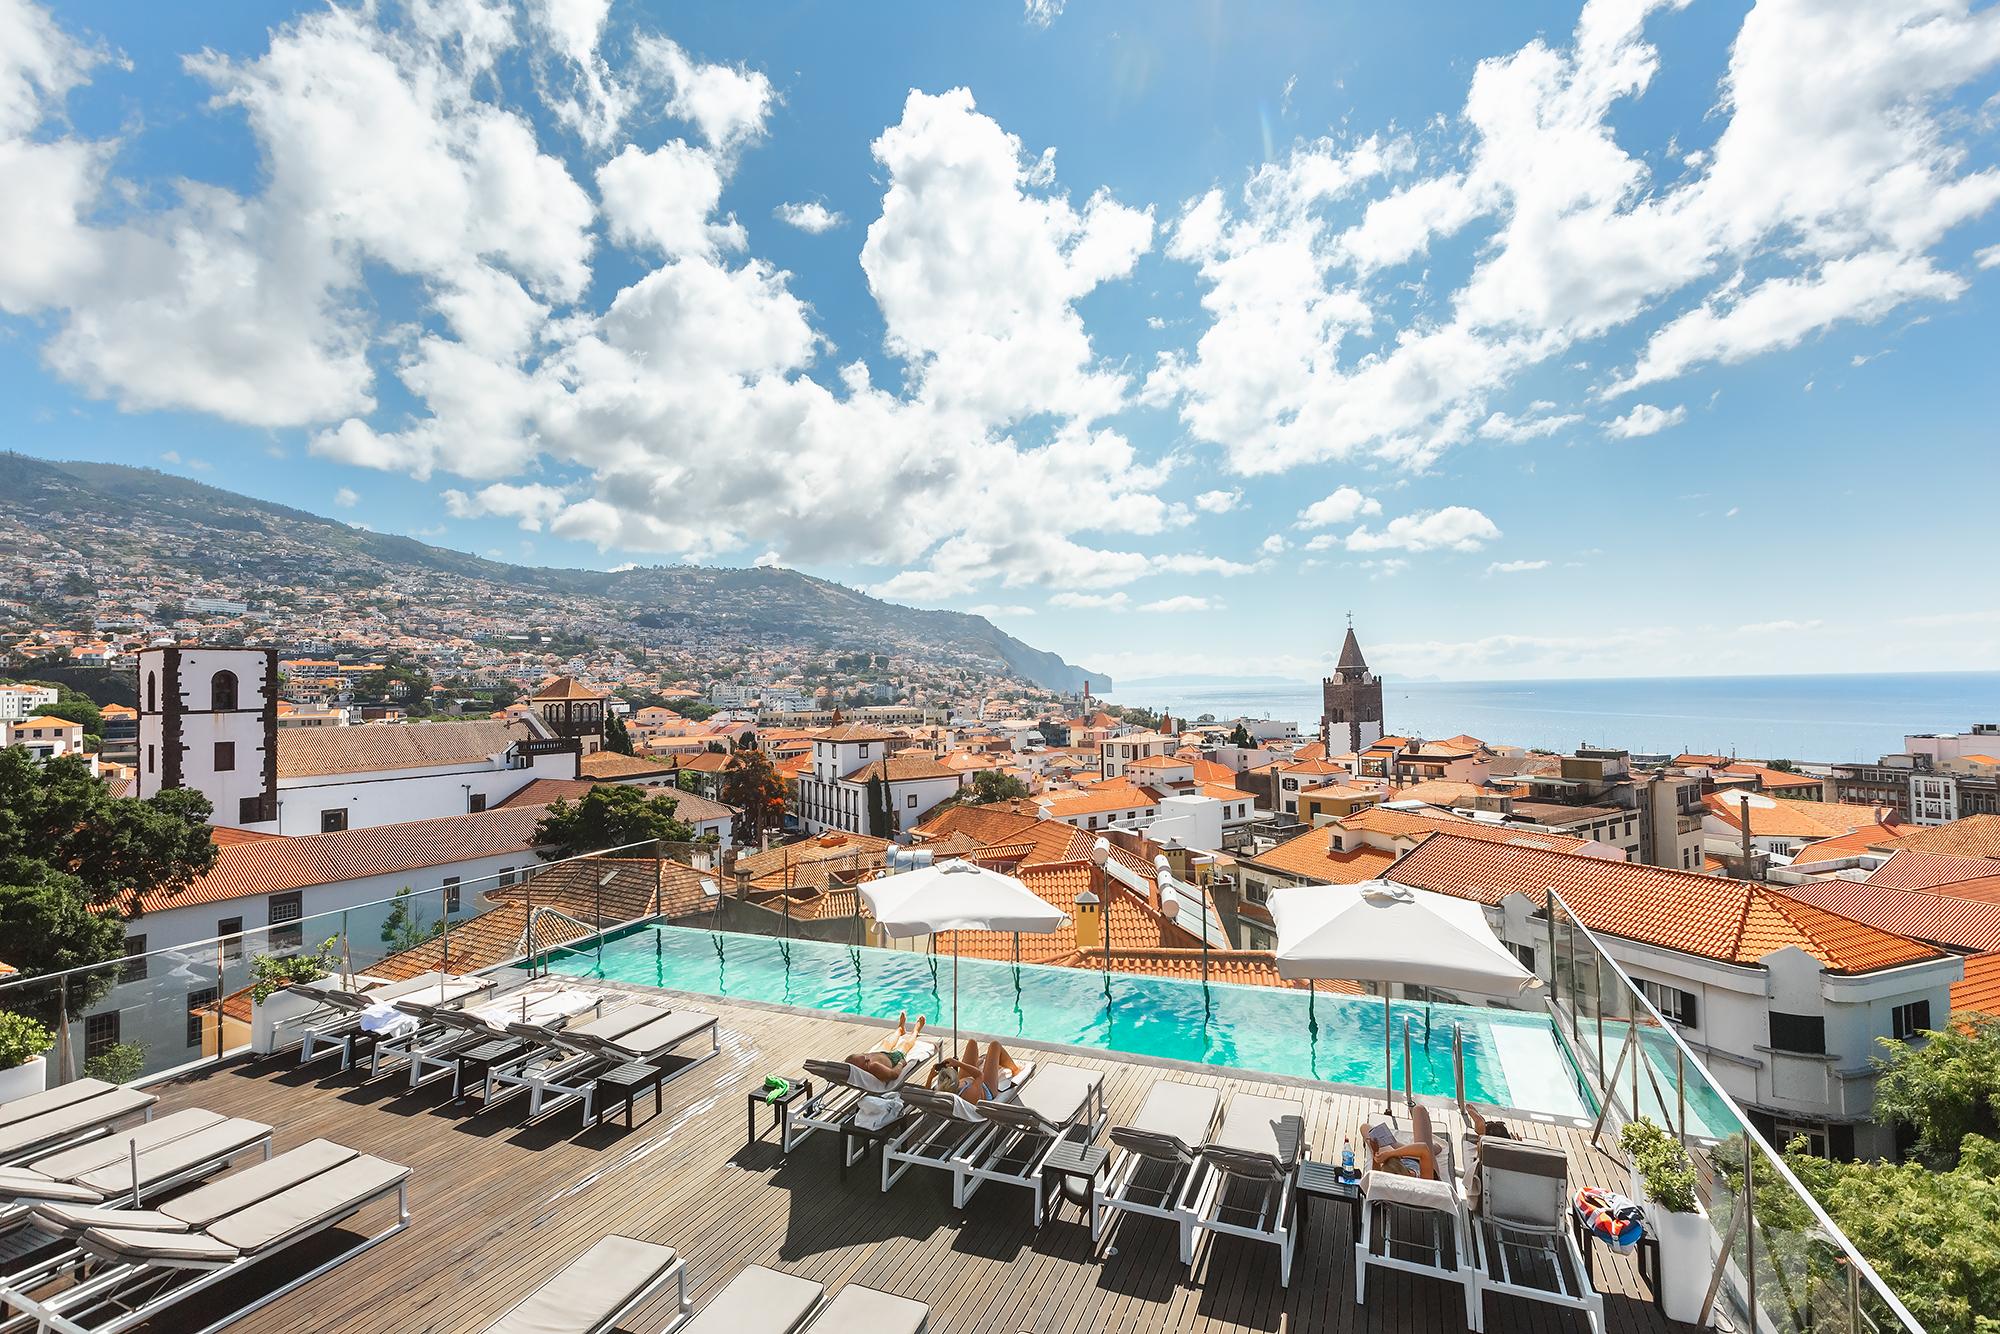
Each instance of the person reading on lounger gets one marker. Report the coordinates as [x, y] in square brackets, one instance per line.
[980, 1077]
[887, 1057]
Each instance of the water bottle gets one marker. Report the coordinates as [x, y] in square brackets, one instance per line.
[1347, 1157]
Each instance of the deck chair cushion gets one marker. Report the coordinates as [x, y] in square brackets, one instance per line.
[758, 1301]
[1173, 1120]
[68, 1220]
[49, 1100]
[662, 1035]
[1059, 1093]
[589, 1290]
[24, 1183]
[617, 1023]
[240, 1190]
[114, 1149]
[327, 1197]
[1415, 1192]
[137, 1246]
[225, 1139]
[73, 1119]
[1255, 1126]
[858, 1310]
[1523, 1184]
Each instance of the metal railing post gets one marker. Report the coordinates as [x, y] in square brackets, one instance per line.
[1750, 1228]
[220, 986]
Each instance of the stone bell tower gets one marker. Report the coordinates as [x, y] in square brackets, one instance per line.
[1351, 701]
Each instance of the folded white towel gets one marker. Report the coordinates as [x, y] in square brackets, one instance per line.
[872, 1112]
[385, 1019]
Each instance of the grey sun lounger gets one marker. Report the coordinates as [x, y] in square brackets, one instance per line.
[652, 1042]
[561, 1067]
[1522, 1235]
[347, 1035]
[594, 1292]
[116, 1277]
[83, 1109]
[1256, 1151]
[842, 1087]
[1062, 1102]
[1154, 1154]
[947, 1133]
[768, 1301]
[180, 1147]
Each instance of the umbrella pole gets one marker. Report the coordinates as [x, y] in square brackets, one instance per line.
[1388, 1060]
[954, 991]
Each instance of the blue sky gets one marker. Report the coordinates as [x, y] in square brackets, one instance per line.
[1644, 338]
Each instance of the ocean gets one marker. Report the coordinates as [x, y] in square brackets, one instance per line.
[1814, 718]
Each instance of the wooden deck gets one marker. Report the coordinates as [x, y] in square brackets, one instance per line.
[497, 1207]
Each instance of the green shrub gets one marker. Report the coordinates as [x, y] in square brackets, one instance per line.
[1663, 1165]
[269, 974]
[119, 1063]
[22, 1039]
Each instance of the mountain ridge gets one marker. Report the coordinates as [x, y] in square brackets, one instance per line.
[43, 493]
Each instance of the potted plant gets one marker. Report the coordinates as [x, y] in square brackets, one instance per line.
[272, 1008]
[22, 1069]
[1674, 1216]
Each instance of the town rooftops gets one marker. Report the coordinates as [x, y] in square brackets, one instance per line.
[1730, 921]
[1421, 824]
[46, 721]
[1979, 991]
[1782, 817]
[1963, 922]
[312, 752]
[1908, 868]
[1099, 798]
[274, 865]
[610, 764]
[847, 732]
[689, 806]
[1311, 855]
[907, 767]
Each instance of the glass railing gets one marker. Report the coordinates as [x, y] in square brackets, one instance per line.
[1771, 1257]
[155, 1012]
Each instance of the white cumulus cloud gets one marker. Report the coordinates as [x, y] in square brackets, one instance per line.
[1455, 528]
[1645, 419]
[810, 216]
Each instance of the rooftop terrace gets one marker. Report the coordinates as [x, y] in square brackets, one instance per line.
[497, 1208]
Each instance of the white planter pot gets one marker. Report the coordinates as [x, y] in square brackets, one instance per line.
[31, 1076]
[272, 1020]
[1687, 1260]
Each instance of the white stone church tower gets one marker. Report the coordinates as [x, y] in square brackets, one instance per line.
[208, 719]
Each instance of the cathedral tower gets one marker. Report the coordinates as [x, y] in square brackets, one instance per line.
[1351, 701]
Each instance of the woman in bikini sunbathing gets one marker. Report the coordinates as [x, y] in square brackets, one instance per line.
[891, 1052]
[979, 1077]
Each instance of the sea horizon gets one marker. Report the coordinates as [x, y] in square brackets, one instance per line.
[1810, 717]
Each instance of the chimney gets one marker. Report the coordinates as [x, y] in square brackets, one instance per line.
[1751, 871]
[1089, 922]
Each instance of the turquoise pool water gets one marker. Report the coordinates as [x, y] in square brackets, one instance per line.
[1511, 1059]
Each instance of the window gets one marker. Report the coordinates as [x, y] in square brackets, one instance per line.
[285, 911]
[864, 750]
[476, 802]
[152, 693]
[250, 810]
[333, 821]
[225, 756]
[1804, 1033]
[451, 893]
[1675, 1006]
[222, 692]
[149, 757]
[506, 875]
[134, 969]
[1906, 1021]
[1525, 953]
[230, 929]
[99, 1032]
[200, 1001]
[912, 802]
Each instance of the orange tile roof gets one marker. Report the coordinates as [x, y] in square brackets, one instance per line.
[1979, 991]
[564, 687]
[1781, 817]
[1909, 869]
[705, 762]
[223, 836]
[1224, 792]
[1208, 771]
[1309, 854]
[273, 865]
[1114, 795]
[639, 887]
[46, 721]
[1852, 844]
[990, 823]
[1772, 778]
[1972, 836]
[1943, 918]
[311, 751]
[903, 767]
[1421, 824]
[690, 806]
[846, 732]
[1134, 924]
[1441, 792]
[610, 764]
[1732, 921]
[827, 846]
[1313, 767]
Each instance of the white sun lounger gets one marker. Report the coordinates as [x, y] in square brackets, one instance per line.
[558, 1073]
[1062, 1102]
[115, 1278]
[127, 1166]
[349, 1034]
[843, 1086]
[768, 1301]
[79, 1110]
[1256, 1150]
[435, 1049]
[948, 1132]
[1523, 1216]
[594, 1292]
[1153, 1157]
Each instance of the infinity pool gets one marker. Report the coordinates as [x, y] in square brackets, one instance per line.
[1511, 1059]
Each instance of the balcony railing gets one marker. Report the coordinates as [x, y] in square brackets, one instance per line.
[1778, 1263]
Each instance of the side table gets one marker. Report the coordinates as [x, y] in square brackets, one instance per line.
[781, 1110]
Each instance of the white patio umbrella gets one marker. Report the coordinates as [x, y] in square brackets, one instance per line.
[957, 896]
[1385, 933]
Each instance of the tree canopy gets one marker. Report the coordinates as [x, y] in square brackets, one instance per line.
[1945, 1089]
[1240, 738]
[616, 738]
[610, 815]
[991, 785]
[753, 786]
[58, 814]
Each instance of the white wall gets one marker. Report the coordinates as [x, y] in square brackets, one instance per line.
[395, 796]
[1195, 821]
